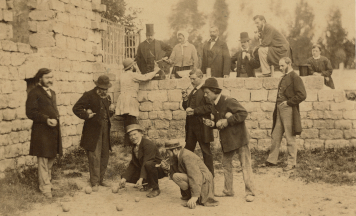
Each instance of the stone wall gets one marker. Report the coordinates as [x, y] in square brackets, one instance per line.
[64, 36]
[328, 119]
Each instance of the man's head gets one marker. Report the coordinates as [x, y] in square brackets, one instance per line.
[211, 89]
[182, 36]
[214, 32]
[150, 33]
[244, 40]
[135, 133]
[173, 147]
[129, 64]
[44, 77]
[285, 64]
[260, 21]
[316, 50]
[196, 77]
[102, 85]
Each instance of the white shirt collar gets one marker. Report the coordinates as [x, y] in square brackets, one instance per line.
[45, 88]
[289, 71]
[211, 40]
[185, 43]
[316, 57]
[199, 86]
[217, 99]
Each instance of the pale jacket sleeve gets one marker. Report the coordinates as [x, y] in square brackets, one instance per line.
[136, 77]
[172, 58]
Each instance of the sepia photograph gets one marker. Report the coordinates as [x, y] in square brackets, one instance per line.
[177, 107]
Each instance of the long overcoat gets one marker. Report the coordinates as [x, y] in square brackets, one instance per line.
[46, 141]
[91, 128]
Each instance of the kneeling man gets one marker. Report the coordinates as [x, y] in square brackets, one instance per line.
[190, 173]
[142, 167]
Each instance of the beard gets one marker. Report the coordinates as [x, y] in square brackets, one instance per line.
[101, 94]
[46, 84]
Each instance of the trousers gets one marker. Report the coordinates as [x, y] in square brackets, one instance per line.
[98, 159]
[262, 53]
[181, 179]
[45, 173]
[284, 123]
[245, 159]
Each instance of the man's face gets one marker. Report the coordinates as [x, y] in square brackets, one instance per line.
[135, 137]
[150, 38]
[245, 45]
[195, 80]
[102, 92]
[181, 38]
[283, 66]
[214, 33]
[316, 52]
[210, 95]
[259, 24]
[47, 80]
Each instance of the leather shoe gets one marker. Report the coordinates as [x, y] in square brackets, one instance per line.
[186, 197]
[105, 184]
[153, 193]
[95, 188]
[145, 188]
[288, 168]
[267, 164]
[224, 194]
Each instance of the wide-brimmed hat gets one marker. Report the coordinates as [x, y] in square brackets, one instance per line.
[211, 83]
[172, 144]
[149, 30]
[133, 127]
[128, 63]
[244, 37]
[103, 82]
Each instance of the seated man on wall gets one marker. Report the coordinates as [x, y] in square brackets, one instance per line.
[142, 167]
[189, 172]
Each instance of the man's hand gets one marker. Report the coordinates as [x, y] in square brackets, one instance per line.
[226, 76]
[284, 103]
[316, 74]
[222, 123]
[190, 111]
[165, 166]
[90, 113]
[208, 122]
[139, 183]
[327, 79]
[122, 183]
[192, 202]
[52, 122]
[112, 107]
[185, 95]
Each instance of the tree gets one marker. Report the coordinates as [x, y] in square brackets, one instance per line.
[114, 9]
[220, 17]
[302, 32]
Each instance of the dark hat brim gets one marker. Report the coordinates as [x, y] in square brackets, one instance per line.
[244, 40]
[206, 86]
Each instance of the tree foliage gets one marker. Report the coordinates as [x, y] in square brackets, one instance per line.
[220, 17]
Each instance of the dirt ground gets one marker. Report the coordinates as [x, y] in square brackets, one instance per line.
[277, 194]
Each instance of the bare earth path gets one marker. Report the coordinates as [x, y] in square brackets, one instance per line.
[276, 195]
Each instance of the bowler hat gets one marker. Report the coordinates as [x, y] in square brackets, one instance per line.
[244, 37]
[172, 144]
[211, 83]
[149, 30]
[103, 82]
[128, 63]
[133, 127]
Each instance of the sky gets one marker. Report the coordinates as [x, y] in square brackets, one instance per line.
[158, 11]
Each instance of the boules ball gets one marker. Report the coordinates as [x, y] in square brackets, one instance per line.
[228, 114]
[119, 208]
[137, 199]
[218, 124]
[88, 190]
[89, 111]
[65, 207]
[115, 189]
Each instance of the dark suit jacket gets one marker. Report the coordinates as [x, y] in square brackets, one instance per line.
[277, 44]
[202, 109]
[161, 50]
[295, 93]
[147, 151]
[219, 53]
[200, 179]
[250, 67]
[46, 141]
[235, 135]
[91, 128]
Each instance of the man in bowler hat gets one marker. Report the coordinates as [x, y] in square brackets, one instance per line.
[151, 50]
[96, 109]
[229, 118]
[46, 142]
[244, 62]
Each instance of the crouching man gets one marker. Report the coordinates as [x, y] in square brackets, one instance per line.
[190, 173]
[143, 168]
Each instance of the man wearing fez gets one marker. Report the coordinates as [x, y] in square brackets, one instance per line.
[151, 50]
[198, 107]
[273, 45]
[46, 142]
[243, 62]
[144, 166]
[96, 109]
[229, 118]
[192, 176]
[216, 56]
[286, 116]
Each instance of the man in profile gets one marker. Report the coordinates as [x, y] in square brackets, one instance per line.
[273, 45]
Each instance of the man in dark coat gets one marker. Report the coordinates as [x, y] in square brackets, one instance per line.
[273, 45]
[152, 50]
[216, 56]
[229, 118]
[243, 62]
[286, 116]
[191, 175]
[96, 109]
[46, 142]
[144, 166]
[197, 108]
